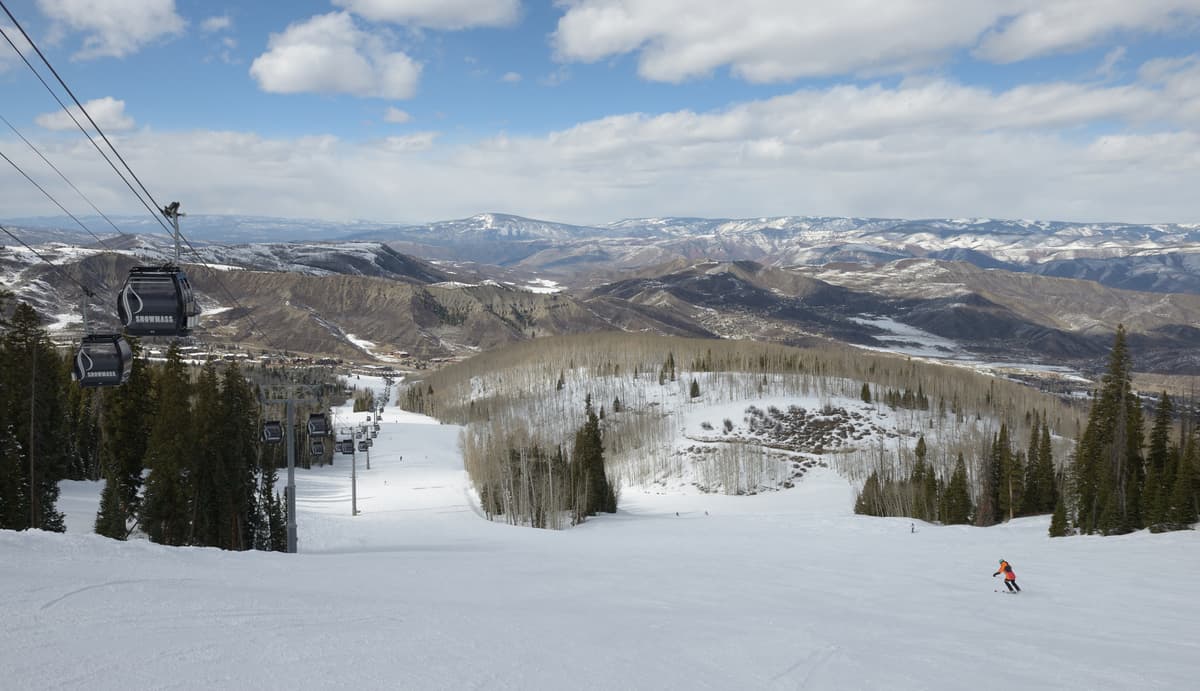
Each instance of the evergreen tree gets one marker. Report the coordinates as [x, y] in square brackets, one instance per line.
[870, 499]
[593, 491]
[988, 510]
[1185, 490]
[1158, 489]
[125, 433]
[923, 485]
[207, 476]
[240, 426]
[1109, 470]
[1032, 484]
[865, 393]
[694, 392]
[166, 506]
[1048, 489]
[33, 402]
[111, 518]
[957, 501]
[1011, 474]
[1058, 522]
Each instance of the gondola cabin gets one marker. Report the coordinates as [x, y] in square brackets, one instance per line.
[318, 425]
[102, 360]
[272, 432]
[158, 301]
[362, 446]
[346, 447]
[316, 447]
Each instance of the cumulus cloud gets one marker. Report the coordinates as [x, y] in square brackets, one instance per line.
[921, 148]
[780, 40]
[108, 112]
[329, 54]
[436, 14]
[511, 77]
[114, 28]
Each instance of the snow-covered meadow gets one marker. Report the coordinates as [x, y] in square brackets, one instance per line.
[783, 590]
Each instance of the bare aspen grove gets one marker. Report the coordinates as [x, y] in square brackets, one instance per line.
[734, 417]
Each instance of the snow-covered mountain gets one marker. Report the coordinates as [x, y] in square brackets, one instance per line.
[1158, 257]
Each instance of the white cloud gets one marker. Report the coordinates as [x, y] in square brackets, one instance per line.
[1050, 26]
[108, 112]
[329, 54]
[396, 116]
[511, 77]
[917, 149]
[218, 23]
[436, 14]
[780, 40]
[114, 28]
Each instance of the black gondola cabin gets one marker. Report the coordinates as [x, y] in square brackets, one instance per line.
[318, 425]
[316, 447]
[272, 432]
[157, 301]
[102, 360]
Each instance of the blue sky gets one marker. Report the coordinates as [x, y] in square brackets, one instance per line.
[593, 110]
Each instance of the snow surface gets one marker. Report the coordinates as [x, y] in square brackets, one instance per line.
[783, 590]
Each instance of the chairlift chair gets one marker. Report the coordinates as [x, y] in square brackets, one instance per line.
[158, 301]
[102, 360]
[272, 432]
[318, 425]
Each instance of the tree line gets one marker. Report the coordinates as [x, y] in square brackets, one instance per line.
[1120, 477]
[530, 395]
[178, 448]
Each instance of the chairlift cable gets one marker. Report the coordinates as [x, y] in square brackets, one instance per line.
[82, 110]
[64, 177]
[76, 120]
[154, 210]
[51, 198]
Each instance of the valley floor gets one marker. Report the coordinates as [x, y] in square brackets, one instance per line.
[787, 590]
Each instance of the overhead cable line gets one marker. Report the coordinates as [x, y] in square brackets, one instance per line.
[83, 110]
[51, 198]
[157, 209]
[75, 120]
[63, 176]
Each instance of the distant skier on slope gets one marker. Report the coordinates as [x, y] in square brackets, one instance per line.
[1010, 578]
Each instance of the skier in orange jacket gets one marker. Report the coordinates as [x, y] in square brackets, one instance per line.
[1010, 578]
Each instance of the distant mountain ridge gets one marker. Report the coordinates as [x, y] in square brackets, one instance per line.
[962, 288]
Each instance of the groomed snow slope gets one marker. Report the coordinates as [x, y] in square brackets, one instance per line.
[784, 590]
